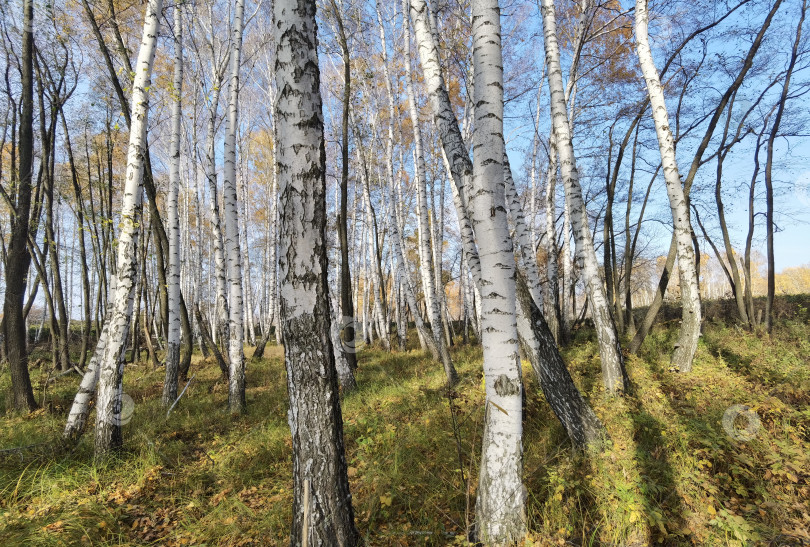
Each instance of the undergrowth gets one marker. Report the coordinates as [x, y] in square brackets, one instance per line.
[669, 475]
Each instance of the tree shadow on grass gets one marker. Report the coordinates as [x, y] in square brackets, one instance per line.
[665, 511]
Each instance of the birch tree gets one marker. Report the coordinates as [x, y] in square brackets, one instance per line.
[236, 354]
[501, 498]
[425, 251]
[613, 373]
[569, 406]
[108, 427]
[690, 291]
[173, 340]
[322, 509]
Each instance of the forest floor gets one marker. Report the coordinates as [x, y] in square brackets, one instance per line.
[670, 475]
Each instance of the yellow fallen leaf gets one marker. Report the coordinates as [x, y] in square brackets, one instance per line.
[386, 500]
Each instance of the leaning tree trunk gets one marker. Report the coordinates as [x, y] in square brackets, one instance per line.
[322, 509]
[501, 498]
[173, 339]
[613, 372]
[236, 353]
[690, 291]
[697, 161]
[80, 408]
[108, 423]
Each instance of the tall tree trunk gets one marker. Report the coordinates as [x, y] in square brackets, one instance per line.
[732, 271]
[173, 339]
[380, 308]
[554, 314]
[404, 280]
[221, 315]
[749, 239]
[62, 335]
[346, 300]
[425, 253]
[501, 497]
[108, 423]
[322, 509]
[613, 372]
[769, 220]
[236, 354]
[18, 260]
[86, 295]
[552, 375]
[655, 305]
[682, 229]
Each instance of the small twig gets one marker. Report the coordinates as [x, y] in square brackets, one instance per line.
[305, 531]
[181, 394]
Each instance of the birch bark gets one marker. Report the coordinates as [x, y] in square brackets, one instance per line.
[425, 249]
[236, 354]
[501, 498]
[403, 276]
[173, 339]
[613, 372]
[552, 271]
[319, 465]
[221, 315]
[551, 373]
[108, 424]
[690, 291]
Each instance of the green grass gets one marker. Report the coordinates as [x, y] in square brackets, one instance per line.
[670, 474]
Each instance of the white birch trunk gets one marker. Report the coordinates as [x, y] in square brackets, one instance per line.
[690, 292]
[320, 481]
[528, 258]
[236, 380]
[403, 276]
[609, 350]
[533, 175]
[558, 387]
[501, 499]
[173, 339]
[108, 410]
[220, 318]
[80, 409]
[250, 331]
[425, 250]
[375, 242]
